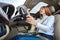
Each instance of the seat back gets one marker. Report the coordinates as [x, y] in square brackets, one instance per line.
[57, 28]
[57, 23]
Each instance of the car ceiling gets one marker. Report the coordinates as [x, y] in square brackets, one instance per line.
[31, 3]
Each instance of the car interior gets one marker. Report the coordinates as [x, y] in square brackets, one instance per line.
[18, 25]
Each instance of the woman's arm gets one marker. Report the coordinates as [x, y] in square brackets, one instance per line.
[40, 26]
[31, 20]
[47, 26]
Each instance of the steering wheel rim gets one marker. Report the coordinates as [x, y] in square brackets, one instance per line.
[22, 9]
[7, 32]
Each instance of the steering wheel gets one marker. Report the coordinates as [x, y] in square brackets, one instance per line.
[4, 31]
[4, 28]
[21, 18]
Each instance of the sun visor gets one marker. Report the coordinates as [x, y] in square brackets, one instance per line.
[36, 8]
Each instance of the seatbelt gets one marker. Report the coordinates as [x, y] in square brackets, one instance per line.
[42, 23]
[44, 20]
[38, 35]
[32, 30]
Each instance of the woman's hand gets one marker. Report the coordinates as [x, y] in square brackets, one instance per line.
[31, 20]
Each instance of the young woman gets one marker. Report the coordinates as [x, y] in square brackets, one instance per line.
[45, 22]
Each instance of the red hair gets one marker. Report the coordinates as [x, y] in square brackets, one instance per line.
[47, 11]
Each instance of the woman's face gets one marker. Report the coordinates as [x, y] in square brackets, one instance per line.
[42, 11]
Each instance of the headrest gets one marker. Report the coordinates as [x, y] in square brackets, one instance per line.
[52, 8]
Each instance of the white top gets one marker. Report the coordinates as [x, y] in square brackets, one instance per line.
[47, 27]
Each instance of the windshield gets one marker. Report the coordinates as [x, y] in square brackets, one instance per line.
[16, 3]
